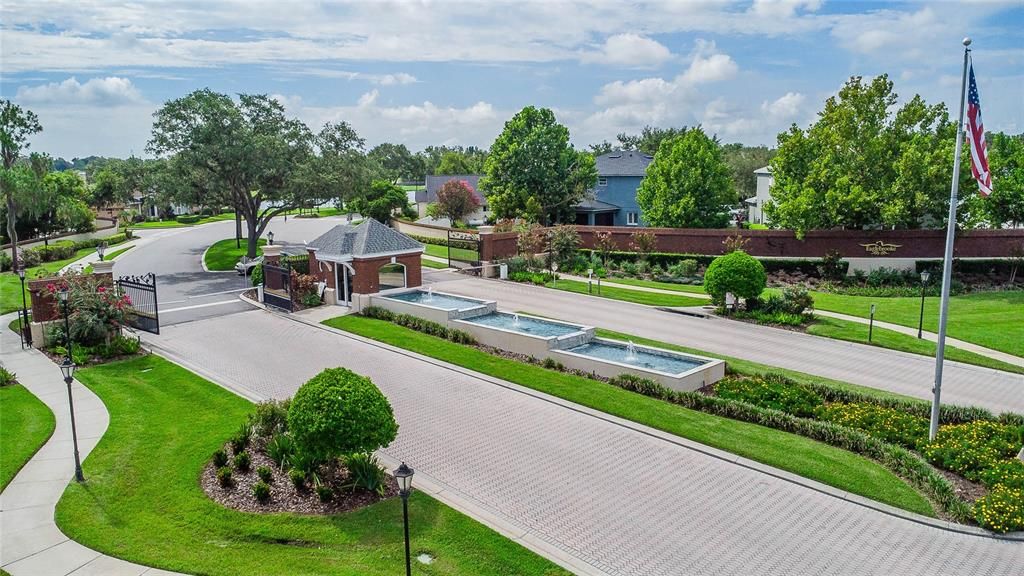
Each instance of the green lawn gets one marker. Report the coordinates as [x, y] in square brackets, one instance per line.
[855, 332]
[27, 424]
[655, 284]
[627, 295]
[116, 253]
[142, 501]
[991, 319]
[10, 284]
[175, 224]
[433, 263]
[839, 468]
[457, 253]
[223, 255]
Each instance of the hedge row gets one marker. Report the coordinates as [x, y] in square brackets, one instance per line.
[464, 244]
[902, 462]
[1001, 267]
[666, 259]
[188, 218]
[60, 250]
[419, 324]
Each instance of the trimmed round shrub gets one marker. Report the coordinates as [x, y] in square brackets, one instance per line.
[220, 458]
[261, 490]
[298, 477]
[265, 474]
[339, 412]
[736, 272]
[188, 218]
[224, 476]
[243, 461]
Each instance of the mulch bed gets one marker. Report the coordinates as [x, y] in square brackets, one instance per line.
[964, 488]
[284, 497]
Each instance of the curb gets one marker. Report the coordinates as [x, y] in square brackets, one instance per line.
[695, 446]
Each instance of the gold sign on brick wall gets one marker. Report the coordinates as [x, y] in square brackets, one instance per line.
[880, 248]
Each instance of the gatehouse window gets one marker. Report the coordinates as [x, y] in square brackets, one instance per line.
[391, 276]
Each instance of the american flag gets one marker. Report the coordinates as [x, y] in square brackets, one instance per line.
[979, 153]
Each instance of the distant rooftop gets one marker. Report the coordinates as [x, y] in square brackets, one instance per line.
[765, 170]
[623, 163]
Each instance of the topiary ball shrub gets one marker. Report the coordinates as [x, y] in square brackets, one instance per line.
[265, 474]
[736, 272]
[242, 461]
[220, 458]
[339, 412]
[261, 490]
[298, 477]
[224, 476]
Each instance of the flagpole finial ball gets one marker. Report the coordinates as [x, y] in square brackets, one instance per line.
[967, 41]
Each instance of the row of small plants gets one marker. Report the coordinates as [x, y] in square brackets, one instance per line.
[60, 250]
[7, 377]
[972, 443]
[321, 441]
[463, 244]
[419, 324]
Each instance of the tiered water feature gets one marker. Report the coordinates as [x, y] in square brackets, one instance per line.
[573, 345]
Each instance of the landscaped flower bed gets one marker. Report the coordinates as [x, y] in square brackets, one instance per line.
[312, 455]
[981, 449]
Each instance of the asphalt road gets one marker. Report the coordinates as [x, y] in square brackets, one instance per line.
[185, 291]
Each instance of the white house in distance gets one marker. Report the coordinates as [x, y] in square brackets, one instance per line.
[755, 204]
[428, 195]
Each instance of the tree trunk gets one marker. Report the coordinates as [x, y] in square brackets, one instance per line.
[12, 233]
[254, 237]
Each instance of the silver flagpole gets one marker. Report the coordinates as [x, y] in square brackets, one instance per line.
[947, 263]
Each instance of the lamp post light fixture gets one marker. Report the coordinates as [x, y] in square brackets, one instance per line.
[924, 282]
[26, 338]
[270, 237]
[68, 369]
[403, 474]
[100, 249]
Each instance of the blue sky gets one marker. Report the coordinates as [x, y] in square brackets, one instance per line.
[442, 72]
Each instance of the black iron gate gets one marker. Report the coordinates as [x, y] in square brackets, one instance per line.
[141, 292]
[277, 286]
[463, 249]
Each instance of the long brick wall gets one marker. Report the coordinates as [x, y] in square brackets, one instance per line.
[785, 244]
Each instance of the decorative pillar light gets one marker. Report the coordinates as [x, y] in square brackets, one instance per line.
[270, 237]
[403, 474]
[67, 368]
[26, 337]
[100, 250]
[924, 282]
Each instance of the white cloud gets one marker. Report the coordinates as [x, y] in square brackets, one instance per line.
[630, 50]
[393, 79]
[110, 91]
[782, 8]
[786, 107]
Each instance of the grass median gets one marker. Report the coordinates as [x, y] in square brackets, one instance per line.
[142, 501]
[457, 253]
[27, 424]
[626, 294]
[790, 452]
[222, 255]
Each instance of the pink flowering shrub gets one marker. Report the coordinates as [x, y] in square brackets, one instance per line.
[96, 311]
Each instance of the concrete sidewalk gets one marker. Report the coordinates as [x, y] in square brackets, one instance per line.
[30, 542]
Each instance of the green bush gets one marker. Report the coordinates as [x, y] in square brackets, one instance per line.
[419, 324]
[188, 218]
[241, 438]
[5, 261]
[552, 364]
[242, 461]
[1001, 510]
[256, 276]
[538, 278]
[270, 417]
[770, 392]
[365, 472]
[224, 476]
[1008, 473]
[881, 422]
[261, 490]
[220, 458]
[324, 493]
[7, 377]
[736, 272]
[683, 269]
[265, 474]
[297, 477]
[970, 448]
[772, 318]
[339, 412]
[281, 450]
[832, 266]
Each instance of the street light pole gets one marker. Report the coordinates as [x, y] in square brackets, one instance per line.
[23, 318]
[67, 368]
[404, 477]
[920, 322]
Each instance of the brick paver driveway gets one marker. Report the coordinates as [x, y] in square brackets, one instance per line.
[900, 372]
[619, 499]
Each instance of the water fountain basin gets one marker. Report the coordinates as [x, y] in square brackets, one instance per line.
[609, 358]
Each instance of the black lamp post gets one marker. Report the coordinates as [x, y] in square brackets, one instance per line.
[924, 282]
[270, 237]
[100, 250]
[404, 476]
[68, 369]
[26, 338]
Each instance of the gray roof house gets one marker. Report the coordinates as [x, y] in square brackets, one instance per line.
[613, 200]
[434, 183]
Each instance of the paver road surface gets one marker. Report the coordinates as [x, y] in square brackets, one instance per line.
[901, 372]
[619, 499]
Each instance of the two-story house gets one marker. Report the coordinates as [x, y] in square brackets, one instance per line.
[613, 200]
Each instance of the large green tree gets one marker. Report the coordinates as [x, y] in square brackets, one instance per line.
[1005, 206]
[532, 158]
[19, 184]
[688, 185]
[742, 161]
[250, 149]
[395, 162]
[649, 139]
[868, 163]
[455, 162]
[381, 201]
